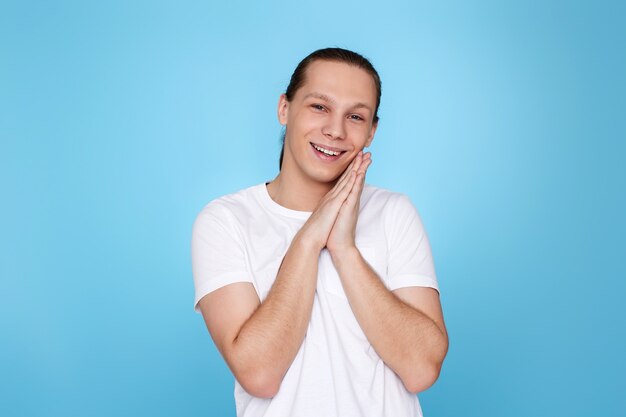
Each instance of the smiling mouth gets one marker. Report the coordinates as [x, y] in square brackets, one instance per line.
[327, 152]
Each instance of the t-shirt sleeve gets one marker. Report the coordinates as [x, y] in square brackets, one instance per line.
[217, 255]
[410, 261]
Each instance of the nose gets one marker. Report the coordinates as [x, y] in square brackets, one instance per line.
[334, 128]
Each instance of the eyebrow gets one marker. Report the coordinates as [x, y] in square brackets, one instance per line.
[327, 99]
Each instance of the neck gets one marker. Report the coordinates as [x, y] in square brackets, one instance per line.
[296, 194]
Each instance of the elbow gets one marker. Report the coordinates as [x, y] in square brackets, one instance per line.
[258, 378]
[424, 376]
[421, 380]
[258, 383]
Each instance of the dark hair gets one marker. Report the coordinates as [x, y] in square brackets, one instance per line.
[336, 55]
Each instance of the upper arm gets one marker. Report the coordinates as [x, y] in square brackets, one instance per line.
[426, 300]
[224, 292]
[218, 253]
[225, 311]
[411, 270]
[409, 259]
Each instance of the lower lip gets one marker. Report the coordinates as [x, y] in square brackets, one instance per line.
[325, 157]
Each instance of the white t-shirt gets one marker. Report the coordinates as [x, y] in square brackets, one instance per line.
[244, 237]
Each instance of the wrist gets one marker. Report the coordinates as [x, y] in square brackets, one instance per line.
[307, 242]
[344, 253]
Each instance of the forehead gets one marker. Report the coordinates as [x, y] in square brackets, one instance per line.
[340, 81]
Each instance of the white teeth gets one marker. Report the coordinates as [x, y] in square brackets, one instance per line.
[326, 151]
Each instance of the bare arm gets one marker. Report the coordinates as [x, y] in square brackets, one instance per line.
[259, 341]
[406, 328]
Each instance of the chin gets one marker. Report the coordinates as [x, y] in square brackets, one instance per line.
[326, 176]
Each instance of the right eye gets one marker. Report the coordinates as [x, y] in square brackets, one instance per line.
[317, 106]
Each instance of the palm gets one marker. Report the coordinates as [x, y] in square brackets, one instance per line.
[342, 235]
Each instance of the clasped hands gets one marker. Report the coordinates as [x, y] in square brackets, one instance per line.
[333, 222]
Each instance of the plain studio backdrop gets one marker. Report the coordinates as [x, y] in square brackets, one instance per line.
[119, 121]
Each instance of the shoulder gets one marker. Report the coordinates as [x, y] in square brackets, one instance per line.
[227, 208]
[394, 210]
[374, 197]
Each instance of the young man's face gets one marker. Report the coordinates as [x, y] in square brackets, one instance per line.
[328, 122]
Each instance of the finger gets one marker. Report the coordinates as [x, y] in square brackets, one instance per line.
[340, 185]
[343, 193]
[355, 193]
[358, 161]
[364, 166]
[354, 197]
[364, 159]
[358, 167]
[342, 178]
[353, 167]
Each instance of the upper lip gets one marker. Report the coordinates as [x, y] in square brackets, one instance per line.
[329, 148]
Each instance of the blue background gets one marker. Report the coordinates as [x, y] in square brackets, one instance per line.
[505, 124]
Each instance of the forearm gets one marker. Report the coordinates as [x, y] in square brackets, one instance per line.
[407, 340]
[268, 342]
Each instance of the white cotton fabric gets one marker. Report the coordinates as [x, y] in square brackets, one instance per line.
[243, 237]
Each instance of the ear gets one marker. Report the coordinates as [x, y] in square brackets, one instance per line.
[371, 136]
[283, 109]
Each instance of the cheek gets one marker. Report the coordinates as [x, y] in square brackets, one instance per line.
[360, 135]
[305, 128]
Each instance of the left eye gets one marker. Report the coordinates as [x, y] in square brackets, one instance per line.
[356, 117]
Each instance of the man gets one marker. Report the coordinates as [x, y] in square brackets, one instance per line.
[319, 291]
